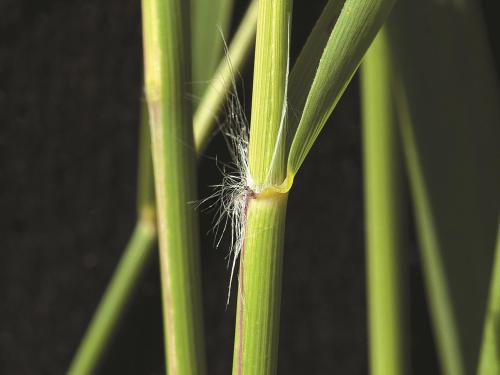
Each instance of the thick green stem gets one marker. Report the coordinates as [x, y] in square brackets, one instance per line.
[267, 133]
[384, 216]
[259, 289]
[489, 359]
[167, 73]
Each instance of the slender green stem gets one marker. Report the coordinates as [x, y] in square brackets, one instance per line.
[129, 270]
[259, 288]
[215, 93]
[445, 324]
[386, 283]
[107, 315]
[489, 359]
[167, 71]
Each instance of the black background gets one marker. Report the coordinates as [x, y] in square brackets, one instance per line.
[70, 84]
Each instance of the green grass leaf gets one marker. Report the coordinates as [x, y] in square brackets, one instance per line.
[354, 30]
[304, 69]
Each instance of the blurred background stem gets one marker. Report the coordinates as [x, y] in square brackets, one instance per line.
[489, 360]
[129, 269]
[384, 216]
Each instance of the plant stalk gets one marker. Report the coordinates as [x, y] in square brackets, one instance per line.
[261, 257]
[384, 216]
[267, 143]
[167, 71]
[106, 317]
[259, 287]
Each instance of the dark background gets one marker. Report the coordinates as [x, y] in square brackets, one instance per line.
[70, 84]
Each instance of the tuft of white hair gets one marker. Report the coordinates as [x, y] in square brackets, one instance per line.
[230, 198]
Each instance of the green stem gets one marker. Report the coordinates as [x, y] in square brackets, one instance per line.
[266, 154]
[261, 259]
[167, 72]
[384, 212]
[444, 323]
[130, 267]
[128, 271]
[259, 289]
[489, 358]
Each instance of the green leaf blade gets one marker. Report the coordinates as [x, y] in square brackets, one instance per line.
[356, 26]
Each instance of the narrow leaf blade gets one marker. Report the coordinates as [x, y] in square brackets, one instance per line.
[357, 25]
